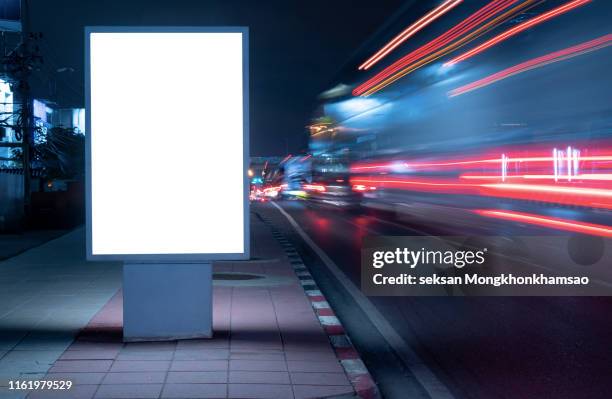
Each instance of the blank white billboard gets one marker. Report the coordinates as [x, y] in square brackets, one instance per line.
[167, 143]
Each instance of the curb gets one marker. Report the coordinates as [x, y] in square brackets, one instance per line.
[349, 358]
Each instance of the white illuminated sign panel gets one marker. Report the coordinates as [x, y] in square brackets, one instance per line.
[167, 130]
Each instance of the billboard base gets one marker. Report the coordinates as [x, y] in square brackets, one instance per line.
[167, 301]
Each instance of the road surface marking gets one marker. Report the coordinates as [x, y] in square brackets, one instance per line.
[434, 387]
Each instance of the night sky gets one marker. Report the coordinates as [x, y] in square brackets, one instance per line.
[297, 48]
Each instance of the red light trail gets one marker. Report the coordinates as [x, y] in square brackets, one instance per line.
[521, 172]
[558, 194]
[517, 29]
[544, 221]
[465, 163]
[419, 184]
[410, 31]
[465, 26]
[589, 176]
[556, 56]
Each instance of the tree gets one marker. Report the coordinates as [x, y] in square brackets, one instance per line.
[62, 155]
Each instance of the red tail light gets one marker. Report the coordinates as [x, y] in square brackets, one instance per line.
[362, 188]
[315, 187]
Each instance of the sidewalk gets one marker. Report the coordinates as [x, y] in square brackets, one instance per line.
[47, 295]
[15, 243]
[268, 341]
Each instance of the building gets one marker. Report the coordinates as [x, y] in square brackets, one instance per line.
[72, 118]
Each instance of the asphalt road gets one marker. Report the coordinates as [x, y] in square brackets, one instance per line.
[477, 347]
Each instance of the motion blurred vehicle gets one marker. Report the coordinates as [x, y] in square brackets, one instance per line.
[272, 192]
[477, 112]
[297, 171]
[333, 190]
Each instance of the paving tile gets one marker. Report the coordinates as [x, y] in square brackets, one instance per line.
[197, 377]
[93, 354]
[40, 356]
[125, 391]
[324, 347]
[255, 346]
[263, 391]
[9, 340]
[89, 346]
[76, 392]
[146, 346]
[6, 393]
[199, 365]
[24, 366]
[140, 377]
[194, 391]
[259, 377]
[313, 366]
[142, 355]
[77, 378]
[48, 337]
[257, 356]
[140, 365]
[41, 344]
[202, 354]
[311, 356]
[258, 365]
[5, 377]
[301, 378]
[254, 363]
[67, 366]
[255, 349]
[315, 391]
[214, 343]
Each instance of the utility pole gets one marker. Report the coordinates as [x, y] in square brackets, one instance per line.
[26, 114]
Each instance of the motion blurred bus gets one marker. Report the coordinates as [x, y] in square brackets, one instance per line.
[461, 112]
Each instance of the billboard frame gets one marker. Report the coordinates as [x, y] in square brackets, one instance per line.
[168, 258]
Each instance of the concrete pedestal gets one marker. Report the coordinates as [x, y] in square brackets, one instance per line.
[167, 301]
